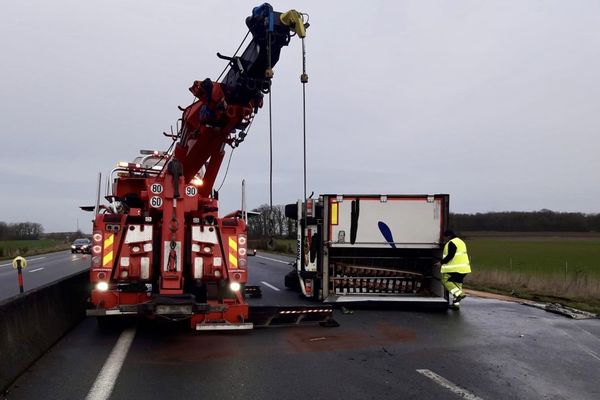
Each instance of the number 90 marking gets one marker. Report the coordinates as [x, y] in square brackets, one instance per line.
[191, 191]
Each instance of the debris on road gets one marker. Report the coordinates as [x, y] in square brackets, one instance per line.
[550, 307]
[563, 310]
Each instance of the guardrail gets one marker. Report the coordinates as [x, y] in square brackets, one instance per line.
[31, 323]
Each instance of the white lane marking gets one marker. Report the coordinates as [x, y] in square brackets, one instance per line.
[274, 259]
[28, 260]
[465, 394]
[35, 259]
[584, 348]
[106, 379]
[37, 269]
[269, 285]
[588, 351]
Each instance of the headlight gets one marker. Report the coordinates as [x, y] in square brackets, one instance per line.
[235, 286]
[102, 286]
[72, 246]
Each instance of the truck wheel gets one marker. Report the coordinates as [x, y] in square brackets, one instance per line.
[292, 282]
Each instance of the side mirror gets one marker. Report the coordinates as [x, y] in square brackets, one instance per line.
[291, 211]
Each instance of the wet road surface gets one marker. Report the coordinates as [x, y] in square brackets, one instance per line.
[491, 349]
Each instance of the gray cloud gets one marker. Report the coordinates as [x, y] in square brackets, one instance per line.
[493, 102]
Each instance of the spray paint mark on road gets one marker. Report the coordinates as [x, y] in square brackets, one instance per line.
[106, 379]
[465, 394]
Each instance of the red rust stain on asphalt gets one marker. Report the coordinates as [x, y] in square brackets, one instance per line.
[189, 350]
[318, 340]
[392, 333]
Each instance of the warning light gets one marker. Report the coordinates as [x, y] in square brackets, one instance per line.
[334, 213]
[197, 181]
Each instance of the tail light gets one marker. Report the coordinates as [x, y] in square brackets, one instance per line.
[242, 250]
[96, 248]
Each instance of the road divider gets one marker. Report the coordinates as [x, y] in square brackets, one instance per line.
[31, 323]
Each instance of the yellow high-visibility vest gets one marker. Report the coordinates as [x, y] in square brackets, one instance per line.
[460, 262]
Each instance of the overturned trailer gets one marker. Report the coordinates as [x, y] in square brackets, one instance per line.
[370, 248]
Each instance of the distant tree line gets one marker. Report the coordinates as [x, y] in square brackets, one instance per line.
[65, 236]
[518, 221]
[20, 231]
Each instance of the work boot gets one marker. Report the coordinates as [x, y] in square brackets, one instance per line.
[455, 306]
[459, 297]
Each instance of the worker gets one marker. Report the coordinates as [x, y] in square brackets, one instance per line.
[455, 266]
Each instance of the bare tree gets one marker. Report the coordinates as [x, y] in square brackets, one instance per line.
[270, 222]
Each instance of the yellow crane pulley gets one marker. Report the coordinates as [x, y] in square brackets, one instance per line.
[293, 19]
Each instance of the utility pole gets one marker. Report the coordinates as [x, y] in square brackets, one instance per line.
[244, 212]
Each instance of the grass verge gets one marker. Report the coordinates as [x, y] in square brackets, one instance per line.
[27, 248]
[282, 246]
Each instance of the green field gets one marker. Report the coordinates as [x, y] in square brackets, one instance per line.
[543, 256]
[549, 268]
[9, 248]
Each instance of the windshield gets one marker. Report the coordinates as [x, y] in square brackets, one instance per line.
[81, 241]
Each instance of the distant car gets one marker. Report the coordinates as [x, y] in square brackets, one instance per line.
[81, 246]
[252, 252]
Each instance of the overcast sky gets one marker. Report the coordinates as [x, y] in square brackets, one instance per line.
[494, 102]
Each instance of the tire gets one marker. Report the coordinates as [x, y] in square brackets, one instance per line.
[292, 282]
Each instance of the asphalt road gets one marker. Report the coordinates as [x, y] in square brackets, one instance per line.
[489, 350]
[41, 269]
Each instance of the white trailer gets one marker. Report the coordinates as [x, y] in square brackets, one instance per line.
[365, 248]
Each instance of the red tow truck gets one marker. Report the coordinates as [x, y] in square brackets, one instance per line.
[159, 247]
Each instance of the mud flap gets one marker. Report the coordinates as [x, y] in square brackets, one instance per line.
[271, 316]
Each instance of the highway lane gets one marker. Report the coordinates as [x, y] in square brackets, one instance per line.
[489, 350]
[268, 272]
[41, 269]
